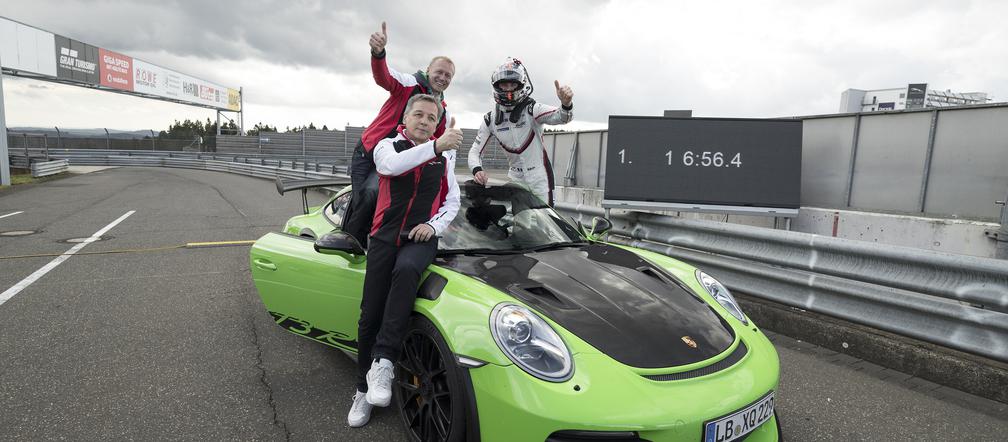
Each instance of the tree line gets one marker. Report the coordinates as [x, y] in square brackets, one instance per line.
[191, 129]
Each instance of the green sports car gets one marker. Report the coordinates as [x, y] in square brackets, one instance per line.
[529, 327]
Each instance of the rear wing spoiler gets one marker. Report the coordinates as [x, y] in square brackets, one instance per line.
[286, 185]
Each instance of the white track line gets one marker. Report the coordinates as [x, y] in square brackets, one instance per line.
[11, 214]
[7, 295]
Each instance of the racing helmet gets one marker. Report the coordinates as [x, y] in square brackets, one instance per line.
[511, 71]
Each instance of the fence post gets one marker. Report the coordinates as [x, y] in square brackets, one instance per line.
[153, 146]
[601, 156]
[570, 178]
[927, 160]
[5, 173]
[303, 150]
[1001, 235]
[853, 158]
[45, 145]
[108, 143]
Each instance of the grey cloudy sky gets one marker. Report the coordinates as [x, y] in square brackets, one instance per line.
[307, 61]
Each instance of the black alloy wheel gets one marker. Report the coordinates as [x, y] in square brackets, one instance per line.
[427, 390]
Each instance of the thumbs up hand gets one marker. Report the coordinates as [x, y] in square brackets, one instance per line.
[378, 41]
[451, 138]
[564, 93]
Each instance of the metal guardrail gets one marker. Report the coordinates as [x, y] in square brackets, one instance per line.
[956, 301]
[46, 168]
[259, 166]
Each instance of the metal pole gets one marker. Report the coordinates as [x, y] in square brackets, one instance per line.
[45, 145]
[345, 147]
[598, 173]
[853, 158]
[927, 160]
[108, 142]
[59, 138]
[304, 151]
[1001, 248]
[241, 110]
[5, 175]
[218, 123]
[153, 145]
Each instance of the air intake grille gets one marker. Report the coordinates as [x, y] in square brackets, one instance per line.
[734, 357]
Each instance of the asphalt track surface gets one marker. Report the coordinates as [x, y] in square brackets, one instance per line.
[175, 343]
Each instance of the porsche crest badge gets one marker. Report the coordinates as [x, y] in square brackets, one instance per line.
[689, 341]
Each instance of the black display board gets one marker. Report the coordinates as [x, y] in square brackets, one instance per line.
[736, 165]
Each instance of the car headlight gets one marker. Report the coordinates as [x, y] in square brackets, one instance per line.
[721, 295]
[531, 343]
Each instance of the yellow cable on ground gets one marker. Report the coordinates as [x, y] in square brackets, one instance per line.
[191, 245]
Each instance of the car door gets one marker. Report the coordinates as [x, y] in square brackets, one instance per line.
[308, 293]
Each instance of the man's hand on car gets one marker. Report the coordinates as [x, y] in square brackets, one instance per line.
[422, 232]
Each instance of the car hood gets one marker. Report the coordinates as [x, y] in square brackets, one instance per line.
[622, 305]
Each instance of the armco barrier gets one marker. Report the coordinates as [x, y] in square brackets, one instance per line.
[956, 301]
[259, 166]
[46, 168]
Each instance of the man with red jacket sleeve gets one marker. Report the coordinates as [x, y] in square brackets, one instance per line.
[401, 87]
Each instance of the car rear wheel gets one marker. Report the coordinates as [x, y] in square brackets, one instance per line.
[429, 393]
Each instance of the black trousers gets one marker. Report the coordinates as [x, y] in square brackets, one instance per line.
[390, 289]
[364, 196]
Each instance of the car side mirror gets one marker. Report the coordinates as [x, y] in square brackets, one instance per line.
[340, 244]
[600, 226]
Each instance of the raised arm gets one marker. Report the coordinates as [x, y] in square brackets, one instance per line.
[545, 114]
[388, 78]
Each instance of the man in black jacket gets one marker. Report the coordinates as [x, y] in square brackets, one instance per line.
[416, 179]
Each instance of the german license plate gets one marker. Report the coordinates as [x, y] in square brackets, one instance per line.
[741, 422]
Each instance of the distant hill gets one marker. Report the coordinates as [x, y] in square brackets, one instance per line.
[82, 133]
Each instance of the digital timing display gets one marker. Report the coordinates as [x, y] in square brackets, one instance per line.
[704, 161]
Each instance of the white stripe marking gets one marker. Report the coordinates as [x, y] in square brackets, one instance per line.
[11, 214]
[7, 295]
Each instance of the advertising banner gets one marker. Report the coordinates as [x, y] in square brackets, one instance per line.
[916, 93]
[27, 49]
[116, 70]
[155, 80]
[76, 61]
[234, 99]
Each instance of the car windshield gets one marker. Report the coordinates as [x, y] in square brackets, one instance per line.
[504, 219]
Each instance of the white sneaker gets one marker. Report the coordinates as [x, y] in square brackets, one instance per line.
[360, 411]
[379, 383]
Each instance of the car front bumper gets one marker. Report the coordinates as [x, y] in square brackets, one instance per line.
[604, 395]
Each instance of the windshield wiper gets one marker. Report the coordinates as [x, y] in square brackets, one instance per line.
[555, 245]
[479, 251]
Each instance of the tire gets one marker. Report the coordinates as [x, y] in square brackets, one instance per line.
[429, 392]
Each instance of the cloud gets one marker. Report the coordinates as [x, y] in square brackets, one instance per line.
[306, 61]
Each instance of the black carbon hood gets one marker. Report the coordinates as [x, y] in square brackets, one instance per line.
[609, 297]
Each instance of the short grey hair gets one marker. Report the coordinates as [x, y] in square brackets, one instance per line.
[423, 97]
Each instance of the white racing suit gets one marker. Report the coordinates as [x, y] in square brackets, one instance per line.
[522, 140]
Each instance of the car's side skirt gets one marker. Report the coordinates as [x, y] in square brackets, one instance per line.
[307, 330]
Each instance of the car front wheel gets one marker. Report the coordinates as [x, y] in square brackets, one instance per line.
[429, 393]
